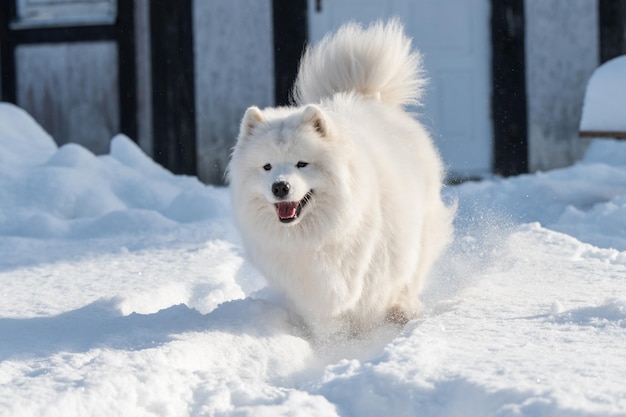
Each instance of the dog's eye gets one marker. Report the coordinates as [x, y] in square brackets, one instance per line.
[301, 164]
[267, 167]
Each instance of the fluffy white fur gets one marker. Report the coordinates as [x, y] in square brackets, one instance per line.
[366, 219]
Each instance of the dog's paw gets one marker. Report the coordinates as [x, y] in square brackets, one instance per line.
[398, 315]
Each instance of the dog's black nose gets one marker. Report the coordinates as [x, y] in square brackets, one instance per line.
[280, 189]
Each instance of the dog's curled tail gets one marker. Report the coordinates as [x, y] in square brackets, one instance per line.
[375, 61]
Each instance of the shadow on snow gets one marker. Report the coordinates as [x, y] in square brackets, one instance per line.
[101, 325]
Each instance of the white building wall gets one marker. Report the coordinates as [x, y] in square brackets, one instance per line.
[234, 59]
[144, 75]
[561, 53]
[71, 89]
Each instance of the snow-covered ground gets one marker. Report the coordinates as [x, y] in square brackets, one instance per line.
[124, 292]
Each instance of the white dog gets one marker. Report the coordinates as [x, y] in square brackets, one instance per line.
[338, 198]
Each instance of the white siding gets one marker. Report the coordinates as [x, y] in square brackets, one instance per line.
[561, 54]
[234, 62]
[71, 90]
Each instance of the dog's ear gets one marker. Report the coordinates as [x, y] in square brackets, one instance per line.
[251, 120]
[315, 117]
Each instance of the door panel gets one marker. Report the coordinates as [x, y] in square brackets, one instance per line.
[453, 37]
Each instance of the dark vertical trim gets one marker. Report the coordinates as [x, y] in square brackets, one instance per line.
[127, 78]
[612, 28]
[7, 52]
[509, 113]
[290, 36]
[173, 97]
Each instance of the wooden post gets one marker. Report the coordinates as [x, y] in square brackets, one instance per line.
[508, 103]
[290, 35]
[612, 27]
[7, 56]
[173, 84]
[126, 63]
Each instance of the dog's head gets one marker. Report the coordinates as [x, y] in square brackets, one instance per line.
[284, 169]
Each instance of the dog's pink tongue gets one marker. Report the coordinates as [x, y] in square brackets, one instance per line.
[287, 210]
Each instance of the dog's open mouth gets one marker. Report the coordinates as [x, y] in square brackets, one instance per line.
[289, 211]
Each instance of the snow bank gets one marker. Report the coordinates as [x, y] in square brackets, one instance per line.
[123, 291]
[70, 192]
[585, 200]
[604, 107]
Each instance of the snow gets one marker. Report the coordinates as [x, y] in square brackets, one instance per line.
[124, 291]
[604, 107]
